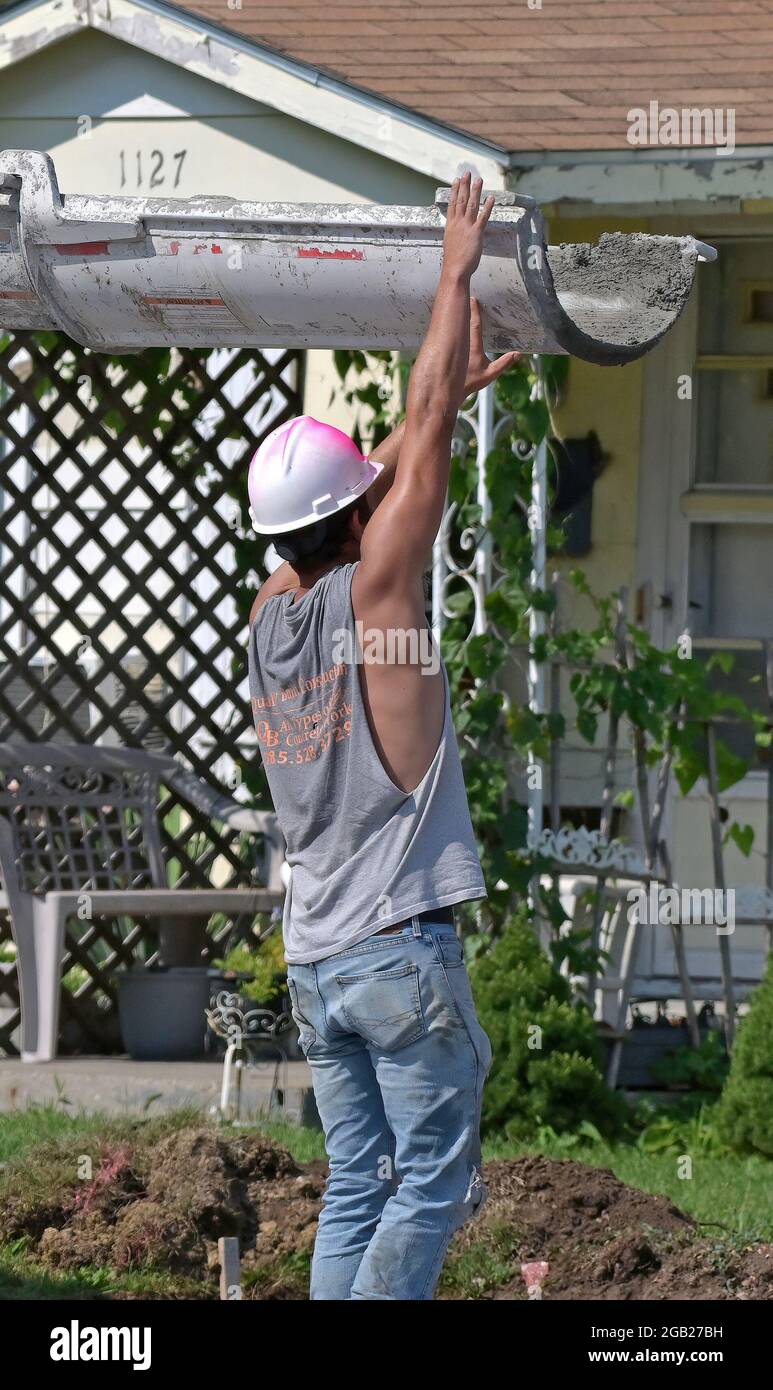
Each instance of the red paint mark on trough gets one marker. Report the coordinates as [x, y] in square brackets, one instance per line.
[83, 248]
[217, 250]
[174, 247]
[340, 254]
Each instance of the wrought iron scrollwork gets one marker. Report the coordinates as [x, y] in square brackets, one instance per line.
[229, 1019]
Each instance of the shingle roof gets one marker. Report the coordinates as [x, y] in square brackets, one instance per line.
[562, 77]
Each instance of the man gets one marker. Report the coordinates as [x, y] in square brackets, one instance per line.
[361, 758]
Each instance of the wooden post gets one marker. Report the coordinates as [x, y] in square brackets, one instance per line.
[719, 882]
[230, 1271]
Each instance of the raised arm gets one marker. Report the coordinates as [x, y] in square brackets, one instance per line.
[481, 371]
[398, 538]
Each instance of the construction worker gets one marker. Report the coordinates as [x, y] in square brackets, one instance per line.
[351, 707]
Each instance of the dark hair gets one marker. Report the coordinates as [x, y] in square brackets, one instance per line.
[323, 539]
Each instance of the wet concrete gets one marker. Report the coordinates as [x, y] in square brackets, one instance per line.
[628, 287]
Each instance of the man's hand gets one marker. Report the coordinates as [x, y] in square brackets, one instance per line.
[465, 225]
[398, 538]
[481, 371]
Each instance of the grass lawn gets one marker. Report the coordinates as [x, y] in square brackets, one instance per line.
[22, 1130]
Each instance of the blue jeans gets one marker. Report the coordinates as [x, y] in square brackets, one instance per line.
[398, 1062]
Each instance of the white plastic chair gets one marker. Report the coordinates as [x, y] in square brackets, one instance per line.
[79, 823]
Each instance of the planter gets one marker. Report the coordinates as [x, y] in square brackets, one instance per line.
[163, 1012]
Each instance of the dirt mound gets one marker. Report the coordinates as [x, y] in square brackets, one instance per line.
[564, 1198]
[163, 1206]
[600, 1239]
[159, 1202]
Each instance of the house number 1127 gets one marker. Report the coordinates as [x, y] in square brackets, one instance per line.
[140, 169]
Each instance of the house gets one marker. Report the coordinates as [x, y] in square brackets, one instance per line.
[614, 114]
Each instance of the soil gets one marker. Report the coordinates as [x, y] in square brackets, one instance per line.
[163, 1206]
[604, 1240]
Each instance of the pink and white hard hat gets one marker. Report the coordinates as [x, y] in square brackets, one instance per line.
[303, 472]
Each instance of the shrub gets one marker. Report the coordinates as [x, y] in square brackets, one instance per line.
[704, 1068]
[745, 1113]
[260, 967]
[551, 1077]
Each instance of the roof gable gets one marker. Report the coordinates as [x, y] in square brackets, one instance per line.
[253, 70]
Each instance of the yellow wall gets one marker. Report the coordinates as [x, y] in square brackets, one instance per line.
[607, 400]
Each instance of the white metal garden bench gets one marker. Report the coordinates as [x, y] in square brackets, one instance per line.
[79, 829]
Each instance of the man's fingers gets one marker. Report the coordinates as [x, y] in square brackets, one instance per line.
[474, 203]
[453, 195]
[501, 364]
[463, 192]
[476, 324]
[485, 212]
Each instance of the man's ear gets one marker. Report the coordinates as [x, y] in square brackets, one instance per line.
[364, 510]
[360, 517]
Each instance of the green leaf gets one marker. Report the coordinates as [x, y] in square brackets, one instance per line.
[460, 602]
[587, 724]
[343, 361]
[580, 582]
[743, 837]
[725, 661]
[730, 767]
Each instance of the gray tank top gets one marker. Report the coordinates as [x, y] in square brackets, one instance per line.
[363, 854]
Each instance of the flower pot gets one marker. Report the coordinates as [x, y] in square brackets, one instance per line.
[163, 1012]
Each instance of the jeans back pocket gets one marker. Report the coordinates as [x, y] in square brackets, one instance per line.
[384, 1006]
[306, 1030]
[450, 949]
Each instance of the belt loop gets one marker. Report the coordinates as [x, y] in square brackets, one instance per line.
[416, 923]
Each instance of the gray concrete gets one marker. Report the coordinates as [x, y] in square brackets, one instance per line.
[119, 1086]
